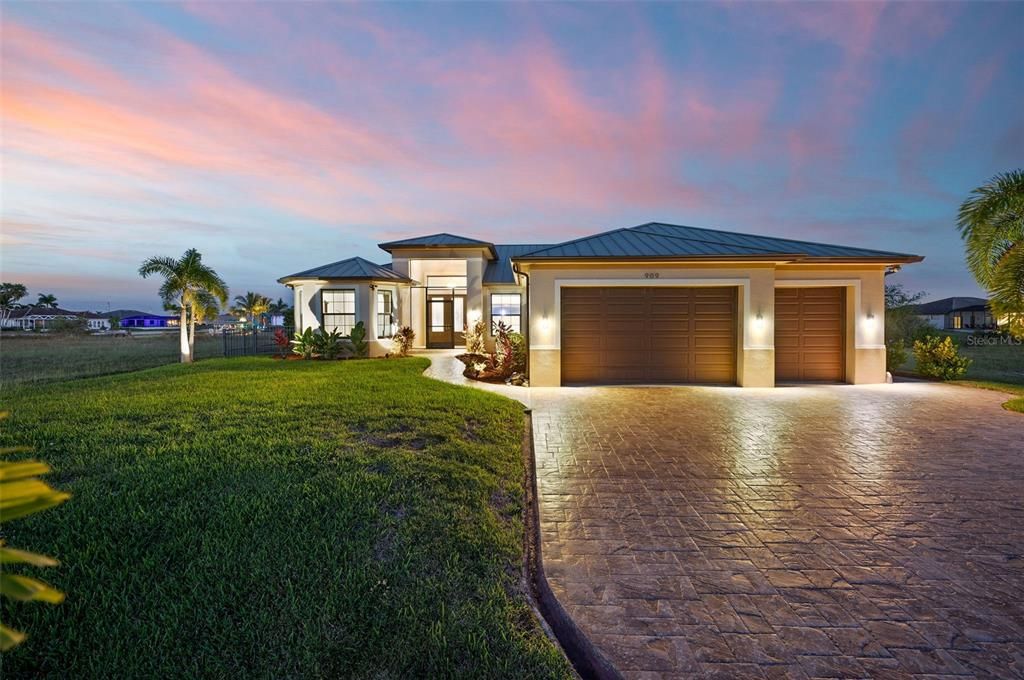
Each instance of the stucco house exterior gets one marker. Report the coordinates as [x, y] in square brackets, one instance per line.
[957, 313]
[35, 317]
[655, 303]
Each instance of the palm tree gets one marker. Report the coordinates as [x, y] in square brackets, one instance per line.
[251, 305]
[186, 282]
[991, 223]
[47, 300]
[205, 307]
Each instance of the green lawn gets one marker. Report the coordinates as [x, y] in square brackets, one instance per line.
[998, 366]
[48, 357]
[257, 518]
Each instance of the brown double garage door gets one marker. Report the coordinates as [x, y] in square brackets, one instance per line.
[689, 335]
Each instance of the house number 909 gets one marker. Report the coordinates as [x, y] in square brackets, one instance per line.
[651, 275]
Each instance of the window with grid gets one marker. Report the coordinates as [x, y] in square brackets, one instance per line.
[385, 314]
[506, 307]
[339, 310]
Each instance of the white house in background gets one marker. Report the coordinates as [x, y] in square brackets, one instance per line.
[957, 314]
[33, 317]
[652, 303]
[96, 322]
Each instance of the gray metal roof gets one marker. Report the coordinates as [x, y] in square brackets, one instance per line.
[354, 268]
[951, 304]
[442, 240]
[658, 240]
[499, 270]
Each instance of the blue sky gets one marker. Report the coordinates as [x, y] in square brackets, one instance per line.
[276, 137]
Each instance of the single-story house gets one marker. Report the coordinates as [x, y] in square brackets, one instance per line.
[143, 320]
[34, 317]
[655, 303]
[957, 313]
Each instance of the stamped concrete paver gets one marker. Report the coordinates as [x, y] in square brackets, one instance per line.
[814, 531]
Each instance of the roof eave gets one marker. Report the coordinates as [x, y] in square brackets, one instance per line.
[288, 280]
[391, 247]
[764, 257]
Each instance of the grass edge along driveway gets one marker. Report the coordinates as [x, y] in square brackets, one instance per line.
[257, 518]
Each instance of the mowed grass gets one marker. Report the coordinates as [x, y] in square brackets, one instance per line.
[49, 357]
[256, 518]
[996, 366]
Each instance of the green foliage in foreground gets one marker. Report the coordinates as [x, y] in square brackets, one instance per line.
[938, 358]
[22, 494]
[253, 518]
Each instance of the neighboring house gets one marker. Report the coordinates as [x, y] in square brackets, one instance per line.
[957, 313]
[34, 317]
[144, 320]
[96, 322]
[656, 303]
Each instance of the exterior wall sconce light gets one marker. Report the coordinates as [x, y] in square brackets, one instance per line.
[759, 322]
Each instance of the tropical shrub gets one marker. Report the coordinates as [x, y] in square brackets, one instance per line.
[895, 354]
[403, 339]
[282, 341]
[327, 345]
[518, 343]
[21, 494]
[475, 337]
[304, 343]
[357, 336]
[938, 358]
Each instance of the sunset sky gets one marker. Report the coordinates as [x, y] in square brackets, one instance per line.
[277, 137]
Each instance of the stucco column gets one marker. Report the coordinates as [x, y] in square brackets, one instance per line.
[756, 352]
[867, 316]
[474, 289]
[297, 307]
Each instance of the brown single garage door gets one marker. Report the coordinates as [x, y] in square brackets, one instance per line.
[809, 334]
[648, 335]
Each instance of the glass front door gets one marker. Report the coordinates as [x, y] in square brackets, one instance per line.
[446, 321]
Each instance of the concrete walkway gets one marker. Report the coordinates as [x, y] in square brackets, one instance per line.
[444, 366]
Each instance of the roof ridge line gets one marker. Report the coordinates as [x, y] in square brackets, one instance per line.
[577, 240]
[637, 230]
[775, 238]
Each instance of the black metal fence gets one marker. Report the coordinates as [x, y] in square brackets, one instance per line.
[255, 341]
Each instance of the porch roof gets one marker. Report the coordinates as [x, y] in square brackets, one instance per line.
[352, 269]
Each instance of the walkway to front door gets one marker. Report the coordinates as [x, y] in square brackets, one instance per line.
[446, 321]
[825, 531]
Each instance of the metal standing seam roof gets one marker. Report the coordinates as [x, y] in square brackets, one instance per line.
[354, 268]
[656, 239]
[499, 270]
[442, 240]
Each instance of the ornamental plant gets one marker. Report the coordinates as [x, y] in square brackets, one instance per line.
[357, 336]
[23, 494]
[304, 343]
[939, 358]
[281, 341]
[475, 337]
[403, 339]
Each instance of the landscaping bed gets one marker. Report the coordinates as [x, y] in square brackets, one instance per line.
[253, 517]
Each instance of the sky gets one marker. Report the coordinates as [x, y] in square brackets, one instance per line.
[275, 137]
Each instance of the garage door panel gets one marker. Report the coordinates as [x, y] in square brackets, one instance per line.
[810, 334]
[648, 334]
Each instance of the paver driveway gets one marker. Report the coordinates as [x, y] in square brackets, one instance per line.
[829, 531]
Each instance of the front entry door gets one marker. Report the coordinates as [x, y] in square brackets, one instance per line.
[446, 321]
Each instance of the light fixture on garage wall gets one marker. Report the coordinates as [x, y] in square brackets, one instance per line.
[759, 322]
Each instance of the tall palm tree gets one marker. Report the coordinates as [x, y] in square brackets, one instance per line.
[186, 281]
[991, 223]
[205, 307]
[251, 305]
[47, 300]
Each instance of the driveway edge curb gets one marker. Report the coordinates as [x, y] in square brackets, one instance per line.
[585, 657]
